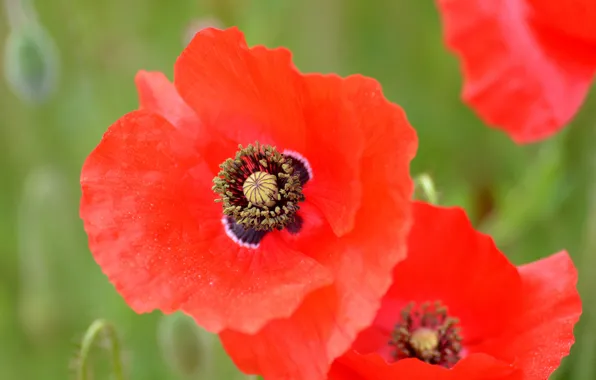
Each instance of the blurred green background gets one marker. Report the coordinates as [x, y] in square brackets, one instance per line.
[535, 200]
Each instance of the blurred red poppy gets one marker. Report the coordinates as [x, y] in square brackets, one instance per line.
[458, 309]
[527, 64]
[311, 214]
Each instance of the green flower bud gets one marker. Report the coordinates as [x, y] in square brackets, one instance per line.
[31, 63]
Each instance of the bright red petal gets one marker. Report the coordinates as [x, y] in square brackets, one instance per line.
[575, 18]
[157, 234]
[449, 261]
[158, 95]
[542, 333]
[323, 326]
[293, 348]
[353, 366]
[334, 147]
[240, 93]
[517, 77]
[303, 346]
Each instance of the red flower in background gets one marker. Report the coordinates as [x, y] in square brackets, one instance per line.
[458, 309]
[294, 259]
[527, 64]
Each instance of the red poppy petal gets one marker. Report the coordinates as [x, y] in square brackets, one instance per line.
[542, 333]
[353, 366]
[390, 143]
[335, 143]
[157, 94]
[373, 367]
[572, 17]
[293, 348]
[362, 260]
[449, 261]
[383, 220]
[484, 367]
[157, 234]
[325, 324]
[257, 285]
[241, 93]
[514, 78]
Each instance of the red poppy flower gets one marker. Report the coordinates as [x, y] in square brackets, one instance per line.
[458, 309]
[528, 64]
[309, 223]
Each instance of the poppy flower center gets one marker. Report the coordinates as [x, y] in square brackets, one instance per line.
[260, 190]
[427, 333]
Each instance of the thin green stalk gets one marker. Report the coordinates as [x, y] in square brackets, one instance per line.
[585, 349]
[89, 339]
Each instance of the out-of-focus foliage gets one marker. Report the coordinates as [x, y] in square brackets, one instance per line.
[535, 199]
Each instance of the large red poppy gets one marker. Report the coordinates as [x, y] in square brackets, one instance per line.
[302, 268]
[503, 322]
[527, 64]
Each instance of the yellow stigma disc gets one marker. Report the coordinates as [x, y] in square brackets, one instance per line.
[424, 340]
[260, 189]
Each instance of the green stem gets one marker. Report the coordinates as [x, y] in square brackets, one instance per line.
[91, 334]
[586, 262]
